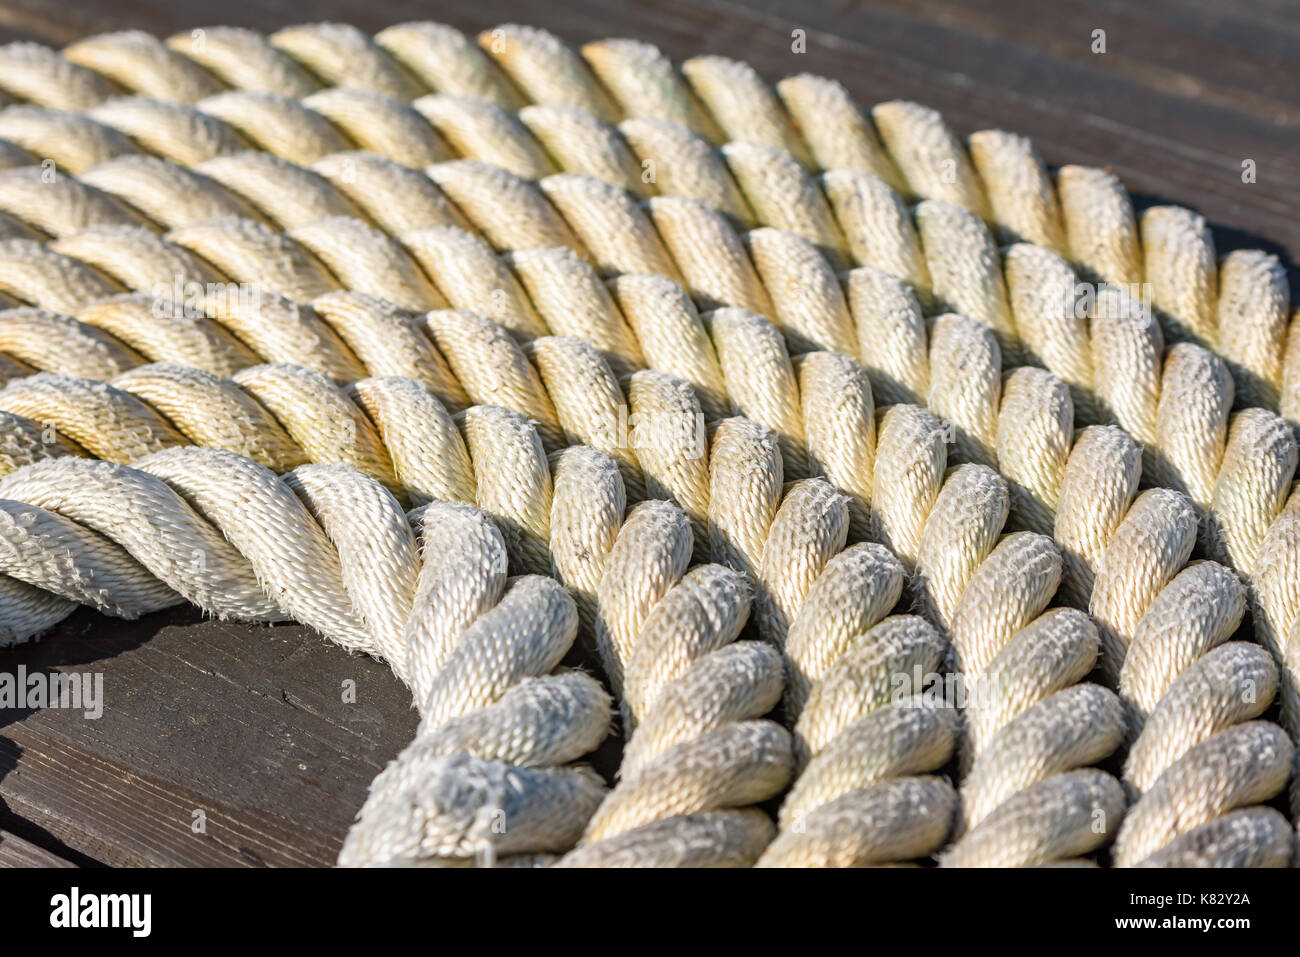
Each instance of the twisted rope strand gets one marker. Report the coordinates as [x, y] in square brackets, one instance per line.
[786, 550]
[1180, 414]
[869, 405]
[500, 723]
[1001, 179]
[1191, 695]
[1137, 419]
[696, 755]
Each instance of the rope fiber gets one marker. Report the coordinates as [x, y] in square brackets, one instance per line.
[895, 499]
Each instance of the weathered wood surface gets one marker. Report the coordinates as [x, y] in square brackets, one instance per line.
[247, 723]
[219, 743]
[15, 852]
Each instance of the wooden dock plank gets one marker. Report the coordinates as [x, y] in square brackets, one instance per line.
[15, 852]
[219, 743]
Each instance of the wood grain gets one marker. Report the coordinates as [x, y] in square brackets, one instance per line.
[15, 852]
[241, 727]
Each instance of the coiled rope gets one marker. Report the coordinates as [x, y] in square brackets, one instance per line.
[882, 505]
[1191, 695]
[330, 547]
[808, 324]
[773, 139]
[693, 696]
[484, 777]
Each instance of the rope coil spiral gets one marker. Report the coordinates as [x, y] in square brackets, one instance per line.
[687, 289]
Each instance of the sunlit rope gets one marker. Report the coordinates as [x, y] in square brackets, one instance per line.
[885, 505]
[1239, 310]
[1125, 348]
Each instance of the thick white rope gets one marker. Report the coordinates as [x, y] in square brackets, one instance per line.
[500, 723]
[1085, 214]
[813, 325]
[1191, 695]
[786, 552]
[1131, 394]
[697, 754]
[869, 406]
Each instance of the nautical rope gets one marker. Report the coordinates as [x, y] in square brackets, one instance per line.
[863, 744]
[485, 776]
[1182, 418]
[1085, 214]
[772, 570]
[1036, 280]
[693, 696]
[487, 733]
[1131, 391]
[867, 406]
[331, 548]
[1198, 760]
[1119, 561]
